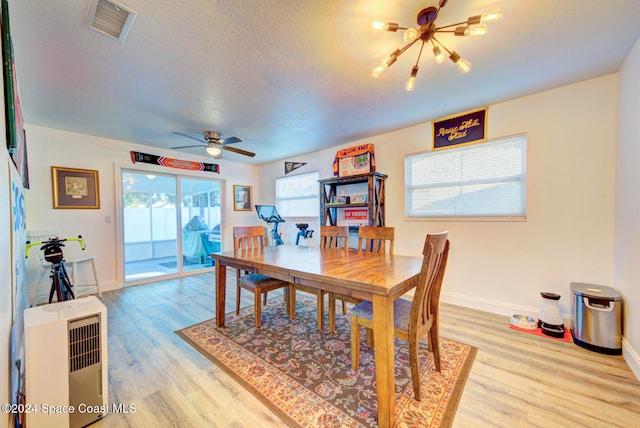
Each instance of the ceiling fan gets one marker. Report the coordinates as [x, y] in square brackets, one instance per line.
[214, 142]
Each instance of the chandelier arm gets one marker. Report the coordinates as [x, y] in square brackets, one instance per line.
[452, 25]
[405, 47]
[420, 53]
[440, 43]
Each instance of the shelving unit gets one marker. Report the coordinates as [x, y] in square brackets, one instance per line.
[375, 198]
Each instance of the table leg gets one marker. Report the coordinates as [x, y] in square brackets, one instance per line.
[384, 355]
[221, 292]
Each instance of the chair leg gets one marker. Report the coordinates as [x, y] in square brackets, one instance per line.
[264, 298]
[257, 307]
[434, 344]
[238, 299]
[413, 362]
[74, 289]
[332, 313]
[370, 343]
[95, 277]
[355, 343]
[344, 307]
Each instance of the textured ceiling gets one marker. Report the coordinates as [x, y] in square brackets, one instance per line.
[293, 76]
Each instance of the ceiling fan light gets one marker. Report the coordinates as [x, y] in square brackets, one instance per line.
[213, 151]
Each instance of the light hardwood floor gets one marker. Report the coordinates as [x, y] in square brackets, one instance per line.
[517, 380]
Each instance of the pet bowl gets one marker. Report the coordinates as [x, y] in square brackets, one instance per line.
[524, 322]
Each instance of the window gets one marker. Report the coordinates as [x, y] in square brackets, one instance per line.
[480, 180]
[298, 195]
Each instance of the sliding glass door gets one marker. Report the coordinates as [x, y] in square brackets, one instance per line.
[200, 218]
[170, 224]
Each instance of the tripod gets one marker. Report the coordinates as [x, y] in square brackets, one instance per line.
[60, 283]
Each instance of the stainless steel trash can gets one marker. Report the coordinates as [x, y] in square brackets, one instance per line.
[597, 318]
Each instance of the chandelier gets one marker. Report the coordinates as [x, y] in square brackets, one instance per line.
[474, 26]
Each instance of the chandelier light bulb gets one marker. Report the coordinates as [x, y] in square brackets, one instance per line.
[386, 63]
[463, 65]
[410, 35]
[377, 71]
[411, 81]
[437, 55]
[491, 16]
[379, 25]
[476, 31]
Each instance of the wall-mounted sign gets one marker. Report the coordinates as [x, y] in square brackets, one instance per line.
[466, 128]
[173, 163]
[355, 214]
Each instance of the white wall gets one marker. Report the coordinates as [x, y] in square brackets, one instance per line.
[627, 205]
[6, 296]
[568, 236]
[53, 147]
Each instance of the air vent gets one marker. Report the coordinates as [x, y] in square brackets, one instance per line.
[111, 18]
[84, 342]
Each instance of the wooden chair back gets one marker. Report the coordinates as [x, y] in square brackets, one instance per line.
[424, 309]
[374, 239]
[334, 237]
[247, 237]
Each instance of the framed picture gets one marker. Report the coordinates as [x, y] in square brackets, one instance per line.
[75, 188]
[242, 198]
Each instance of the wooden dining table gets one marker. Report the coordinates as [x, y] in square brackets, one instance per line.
[378, 278]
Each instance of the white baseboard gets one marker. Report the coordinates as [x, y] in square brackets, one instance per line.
[493, 306]
[631, 357]
[503, 308]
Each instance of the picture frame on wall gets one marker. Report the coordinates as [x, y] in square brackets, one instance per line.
[14, 121]
[75, 188]
[242, 198]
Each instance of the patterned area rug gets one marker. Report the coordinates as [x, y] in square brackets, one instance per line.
[305, 376]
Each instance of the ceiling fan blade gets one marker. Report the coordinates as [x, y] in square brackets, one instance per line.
[239, 151]
[187, 147]
[231, 140]
[189, 136]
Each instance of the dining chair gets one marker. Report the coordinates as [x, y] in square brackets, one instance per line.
[73, 264]
[371, 239]
[374, 239]
[248, 237]
[412, 319]
[336, 237]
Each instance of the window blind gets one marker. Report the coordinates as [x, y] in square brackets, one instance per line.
[486, 179]
[298, 195]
